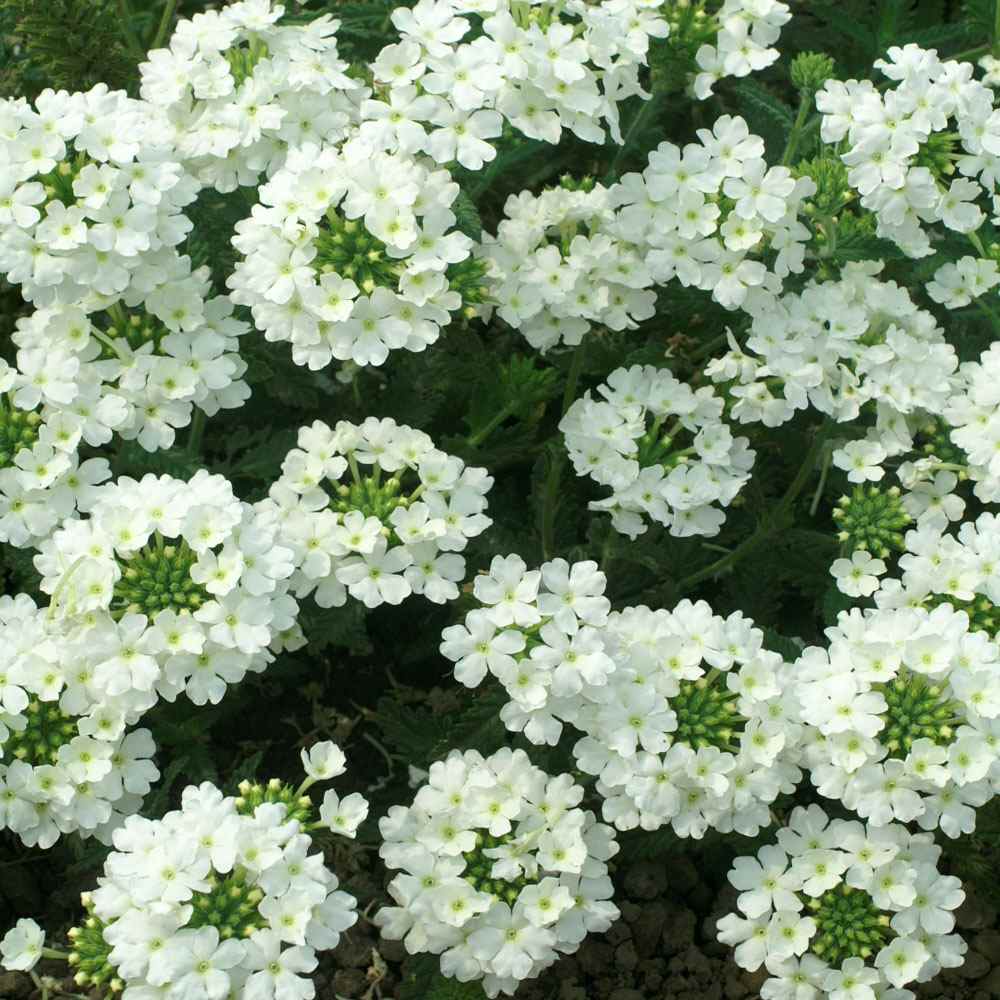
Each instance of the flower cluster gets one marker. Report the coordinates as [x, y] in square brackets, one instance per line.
[136, 372]
[715, 216]
[840, 910]
[962, 570]
[747, 32]
[697, 726]
[973, 414]
[558, 265]
[234, 89]
[183, 586]
[542, 68]
[394, 528]
[537, 632]
[905, 140]
[87, 194]
[836, 346]
[68, 762]
[42, 479]
[221, 897]
[352, 253]
[501, 869]
[902, 711]
[663, 449]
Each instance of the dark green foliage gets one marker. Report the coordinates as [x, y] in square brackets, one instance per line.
[63, 44]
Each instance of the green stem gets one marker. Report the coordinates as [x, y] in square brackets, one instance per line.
[131, 42]
[164, 26]
[794, 137]
[474, 440]
[637, 122]
[765, 530]
[550, 503]
[197, 432]
[573, 377]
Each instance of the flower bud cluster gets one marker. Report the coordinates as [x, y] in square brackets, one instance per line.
[234, 89]
[843, 910]
[220, 897]
[662, 448]
[352, 253]
[88, 194]
[902, 710]
[185, 586]
[376, 512]
[501, 870]
[69, 761]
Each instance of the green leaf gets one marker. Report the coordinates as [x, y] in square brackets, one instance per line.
[422, 980]
[766, 114]
[467, 216]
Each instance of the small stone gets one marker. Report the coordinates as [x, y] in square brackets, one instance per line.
[988, 943]
[15, 984]
[991, 984]
[626, 957]
[618, 933]
[646, 880]
[975, 966]
[736, 987]
[354, 951]
[392, 951]
[595, 957]
[975, 913]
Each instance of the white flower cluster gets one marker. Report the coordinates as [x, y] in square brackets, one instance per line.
[537, 632]
[501, 869]
[234, 90]
[135, 372]
[902, 710]
[697, 726]
[958, 283]
[748, 30]
[558, 265]
[88, 192]
[42, 479]
[663, 449]
[706, 214]
[182, 587]
[543, 68]
[837, 346]
[351, 253]
[905, 140]
[840, 910]
[219, 898]
[687, 720]
[974, 415]
[962, 569]
[67, 762]
[393, 529]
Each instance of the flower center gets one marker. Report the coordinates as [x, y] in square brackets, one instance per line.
[158, 577]
[916, 710]
[479, 869]
[18, 430]
[848, 925]
[229, 905]
[706, 713]
[47, 729]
